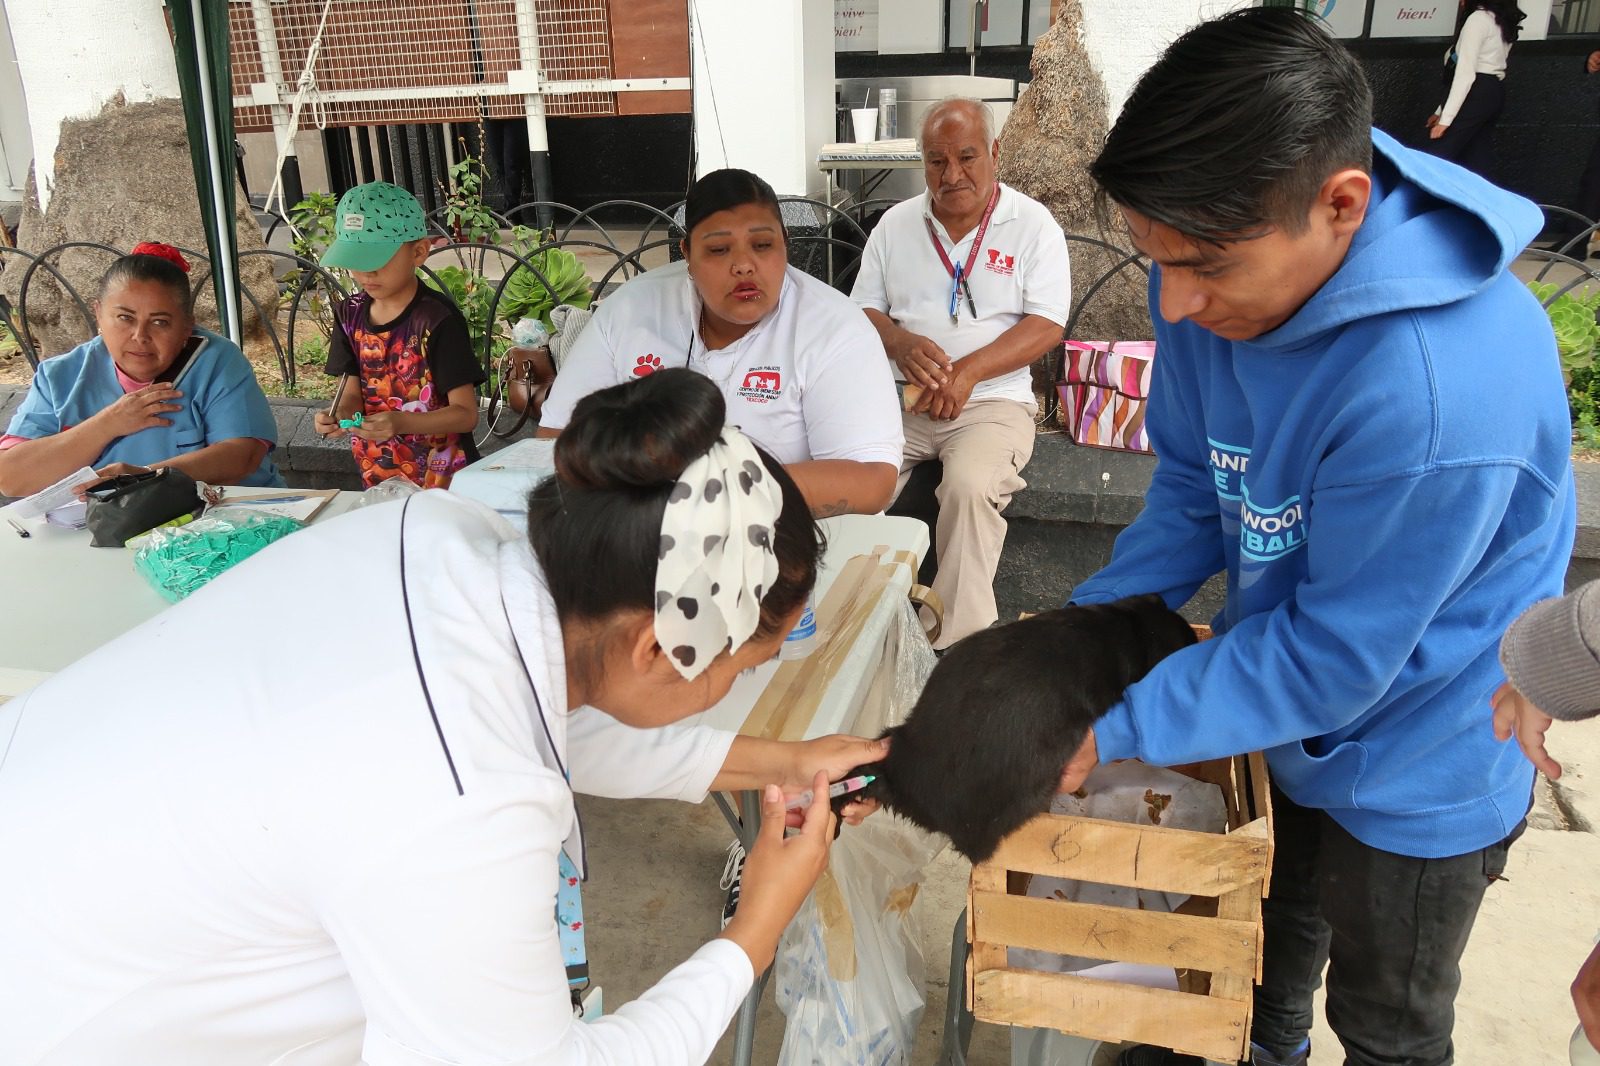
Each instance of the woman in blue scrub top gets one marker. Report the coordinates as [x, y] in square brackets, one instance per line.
[152, 390]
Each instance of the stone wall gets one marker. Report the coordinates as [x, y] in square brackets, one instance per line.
[1052, 135]
[121, 177]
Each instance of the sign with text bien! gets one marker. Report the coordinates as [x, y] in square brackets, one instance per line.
[855, 26]
[1413, 18]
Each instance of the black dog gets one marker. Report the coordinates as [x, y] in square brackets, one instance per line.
[1006, 708]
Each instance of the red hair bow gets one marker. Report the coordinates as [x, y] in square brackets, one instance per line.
[162, 251]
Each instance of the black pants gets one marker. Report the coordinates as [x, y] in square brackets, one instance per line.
[1391, 929]
[1469, 139]
[1589, 189]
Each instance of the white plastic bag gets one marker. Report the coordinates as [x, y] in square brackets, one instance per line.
[387, 491]
[849, 972]
[529, 333]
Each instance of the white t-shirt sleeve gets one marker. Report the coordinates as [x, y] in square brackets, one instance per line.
[590, 367]
[851, 408]
[617, 761]
[1047, 287]
[1469, 47]
[871, 288]
[451, 942]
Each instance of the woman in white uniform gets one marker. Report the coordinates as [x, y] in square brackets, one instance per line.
[803, 374]
[221, 846]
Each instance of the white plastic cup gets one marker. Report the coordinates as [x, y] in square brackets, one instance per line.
[865, 121]
[803, 638]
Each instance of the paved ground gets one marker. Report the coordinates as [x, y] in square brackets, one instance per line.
[654, 899]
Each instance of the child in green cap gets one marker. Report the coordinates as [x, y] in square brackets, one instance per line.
[412, 374]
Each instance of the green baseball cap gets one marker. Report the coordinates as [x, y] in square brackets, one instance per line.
[370, 225]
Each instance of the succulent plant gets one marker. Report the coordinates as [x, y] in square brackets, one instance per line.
[1573, 317]
[525, 296]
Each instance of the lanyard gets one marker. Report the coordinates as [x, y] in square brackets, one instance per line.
[959, 276]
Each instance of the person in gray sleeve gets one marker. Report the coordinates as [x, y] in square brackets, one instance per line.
[1553, 671]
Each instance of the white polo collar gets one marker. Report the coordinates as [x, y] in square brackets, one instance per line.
[1005, 209]
[697, 304]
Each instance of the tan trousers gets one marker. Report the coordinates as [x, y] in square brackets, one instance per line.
[983, 452]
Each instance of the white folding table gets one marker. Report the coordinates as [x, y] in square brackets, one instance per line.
[60, 598]
[848, 536]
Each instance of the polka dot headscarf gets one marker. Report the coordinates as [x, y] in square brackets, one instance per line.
[717, 558]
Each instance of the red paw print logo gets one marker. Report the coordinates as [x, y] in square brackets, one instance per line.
[572, 880]
[646, 365]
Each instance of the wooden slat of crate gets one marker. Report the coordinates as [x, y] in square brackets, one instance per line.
[1121, 934]
[1139, 856]
[1245, 905]
[1261, 799]
[1210, 1027]
[988, 953]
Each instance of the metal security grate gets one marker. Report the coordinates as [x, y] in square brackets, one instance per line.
[416, 61]
[575, 45]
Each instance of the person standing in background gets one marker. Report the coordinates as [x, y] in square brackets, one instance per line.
[1462, 128]
[1589, 183]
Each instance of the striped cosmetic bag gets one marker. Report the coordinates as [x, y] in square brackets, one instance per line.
[1103, 388]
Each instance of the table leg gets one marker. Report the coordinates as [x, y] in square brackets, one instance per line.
[725, 805]
[744, 1037]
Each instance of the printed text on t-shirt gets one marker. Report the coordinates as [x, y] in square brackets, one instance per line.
[762, 384]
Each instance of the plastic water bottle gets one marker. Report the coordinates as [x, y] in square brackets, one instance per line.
[888, 124]
[1580, 1051]
[803, 637]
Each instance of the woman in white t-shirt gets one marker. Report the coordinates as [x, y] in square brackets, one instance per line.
[218, 851]
[802, 371]
[1461, 129]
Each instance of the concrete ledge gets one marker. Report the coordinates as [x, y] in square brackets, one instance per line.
[1069, 483]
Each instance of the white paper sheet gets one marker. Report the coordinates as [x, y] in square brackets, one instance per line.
[72, 515]
[47, 500]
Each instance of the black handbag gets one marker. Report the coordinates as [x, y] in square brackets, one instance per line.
[122, 507]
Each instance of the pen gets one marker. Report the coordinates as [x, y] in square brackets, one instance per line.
[18, 527]
[970, 305]
[333, 405]
[955, 292]
[267, 499]
[835, 790]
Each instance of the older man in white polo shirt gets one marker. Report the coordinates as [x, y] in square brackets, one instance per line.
[967, 285]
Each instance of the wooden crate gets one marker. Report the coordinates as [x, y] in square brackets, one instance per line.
[1232, 870]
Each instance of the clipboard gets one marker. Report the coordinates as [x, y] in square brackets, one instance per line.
[301, 504]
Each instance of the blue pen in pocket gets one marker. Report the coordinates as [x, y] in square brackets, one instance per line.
[955, 292]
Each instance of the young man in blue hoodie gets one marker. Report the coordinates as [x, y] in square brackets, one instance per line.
[1359, 417]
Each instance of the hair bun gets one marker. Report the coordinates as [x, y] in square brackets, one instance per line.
[162, 251]
[641, 434]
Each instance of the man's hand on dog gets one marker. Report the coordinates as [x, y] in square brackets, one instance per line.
[1078, 767]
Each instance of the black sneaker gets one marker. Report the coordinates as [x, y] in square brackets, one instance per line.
[732, 873]
[1146, 1055]
[1149, 1055]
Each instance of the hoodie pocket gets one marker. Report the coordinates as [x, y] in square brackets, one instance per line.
[1327, 782]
